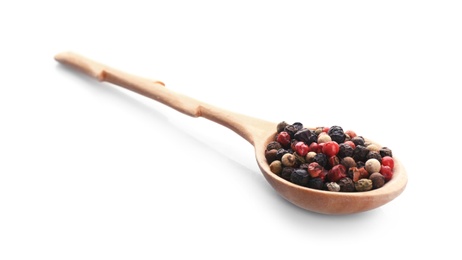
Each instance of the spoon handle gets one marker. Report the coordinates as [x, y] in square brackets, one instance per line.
[251, 129]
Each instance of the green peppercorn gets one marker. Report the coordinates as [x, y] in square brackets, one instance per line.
[363, 185]
[276, 167]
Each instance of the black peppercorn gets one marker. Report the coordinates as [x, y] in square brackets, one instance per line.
[344, 150]
[346, 184]
[271, 155]
[360, 153]
[358, 140]
[305, 135]
[273, 145]
[287, 172]
[321, 159]
[298, 126]
[316, 183]
[336, 134]
[384, 151]
[374, 155]
[300, 177]
[280, 127]
[281, 153]
[291, 130]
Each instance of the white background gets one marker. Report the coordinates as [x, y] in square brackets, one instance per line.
[91, 171]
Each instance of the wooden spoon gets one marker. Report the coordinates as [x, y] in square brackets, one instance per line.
[257, 132]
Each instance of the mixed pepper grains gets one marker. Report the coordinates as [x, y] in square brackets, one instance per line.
[328, 158]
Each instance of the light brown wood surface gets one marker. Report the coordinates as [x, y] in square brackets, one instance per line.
[256, 131]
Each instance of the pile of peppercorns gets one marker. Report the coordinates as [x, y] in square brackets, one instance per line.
[328, 158]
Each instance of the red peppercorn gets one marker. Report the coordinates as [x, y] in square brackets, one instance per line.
[330, 148]
[315, 147]
[350, 133]
[301, 148]
[336, 173]
[351, 144]
[333, 160]
[386, 172]
[388, 161]
[284, 138]
[314, 169]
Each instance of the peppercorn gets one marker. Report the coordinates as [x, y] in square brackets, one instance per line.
[375, 155]
[300, 177]
[388, 161]
[346, 185]
[350, 133]
[316, 183]
[354, 174]
[298, 126]
[363, 185]
[287, 172]
[288, 160]
[336, 133]
[377, 180]
[373, 147]
[271, 155]
[299, 159]
[318, 130]
[332, 186]
[360, 153]
[324, 138]
[305, 135]
[291, 130]
[372, 165]
[358, 140]
[336, 173]
[363, 173]
[280, 127]
[321, 159]
[384, 151]
[276, 167]
[333, 160]
[273, 145]
[309, 158]
[348, 162]
[301, 148]
[284, 139]
[281, 153]
[344, 150]
[314, 169]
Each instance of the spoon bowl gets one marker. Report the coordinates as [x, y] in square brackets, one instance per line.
[257, 132]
